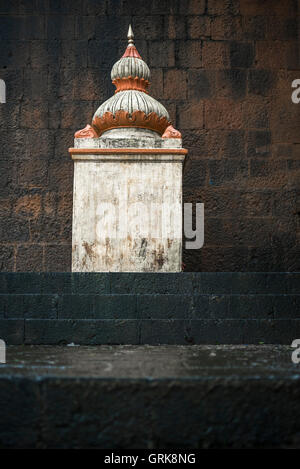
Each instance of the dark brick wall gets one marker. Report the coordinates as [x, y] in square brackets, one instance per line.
[223, 68]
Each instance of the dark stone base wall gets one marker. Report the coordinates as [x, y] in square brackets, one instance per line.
[182, 309]
[223, 68]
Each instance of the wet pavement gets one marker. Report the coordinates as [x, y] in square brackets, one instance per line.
[151, 362]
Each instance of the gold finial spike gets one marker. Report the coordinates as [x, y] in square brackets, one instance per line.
[130, 36]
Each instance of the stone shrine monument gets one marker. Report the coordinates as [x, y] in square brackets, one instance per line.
[127, 196]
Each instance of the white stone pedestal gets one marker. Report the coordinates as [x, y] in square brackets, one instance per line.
[127, 202]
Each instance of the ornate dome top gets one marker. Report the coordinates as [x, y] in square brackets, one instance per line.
[131, 105]
[131, 64]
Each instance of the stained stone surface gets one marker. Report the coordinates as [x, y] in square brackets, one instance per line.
[127, 208]
[126, 397]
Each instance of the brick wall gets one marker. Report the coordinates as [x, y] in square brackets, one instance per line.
[223, 69]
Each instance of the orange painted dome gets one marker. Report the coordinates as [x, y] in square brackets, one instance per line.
[131, 105]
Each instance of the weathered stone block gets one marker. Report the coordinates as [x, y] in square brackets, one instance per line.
[145, 283]
[241, 54]
[97, 307]
[29, 306]
[83, 331]
[151, 306]
[12, 331]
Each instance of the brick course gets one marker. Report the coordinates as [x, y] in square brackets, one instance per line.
[223, 69]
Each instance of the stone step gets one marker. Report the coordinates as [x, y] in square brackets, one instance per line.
[181, 308]
[149, 331]
[149, 397]
[152, 283]
[149, 306]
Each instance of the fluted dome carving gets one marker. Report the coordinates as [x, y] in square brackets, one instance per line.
[131, 101]
[130, 67]
[131, 105]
